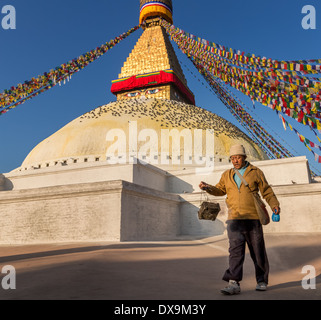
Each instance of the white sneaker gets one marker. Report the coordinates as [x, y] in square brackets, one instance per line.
[261, 286]
[232, 288]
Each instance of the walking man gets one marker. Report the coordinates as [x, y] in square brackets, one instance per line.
[243, 224]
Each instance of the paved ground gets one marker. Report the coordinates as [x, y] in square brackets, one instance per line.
[185, 269]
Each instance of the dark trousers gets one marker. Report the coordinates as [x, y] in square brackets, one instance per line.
[239, 233]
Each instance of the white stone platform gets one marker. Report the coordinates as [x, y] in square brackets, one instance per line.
[101, 202]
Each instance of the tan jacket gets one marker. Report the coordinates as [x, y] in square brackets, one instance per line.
[240, 201]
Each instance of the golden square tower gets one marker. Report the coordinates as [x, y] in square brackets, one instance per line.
[152, 69]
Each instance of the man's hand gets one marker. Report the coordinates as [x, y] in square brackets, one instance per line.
[276, 210]
[276, 214]
[203, 185]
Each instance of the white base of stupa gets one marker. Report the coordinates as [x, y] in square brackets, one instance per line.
[132, 202]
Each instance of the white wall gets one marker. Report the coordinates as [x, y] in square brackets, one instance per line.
[277, 172]
[101, 211]
[65, 213]
[300, 212]
[149, 214]
[151, 204]
[183, 179]
[60, 175]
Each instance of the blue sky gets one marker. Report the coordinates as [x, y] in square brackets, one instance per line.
[50, 33]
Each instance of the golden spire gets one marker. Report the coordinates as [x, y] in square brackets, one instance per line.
[152, 69]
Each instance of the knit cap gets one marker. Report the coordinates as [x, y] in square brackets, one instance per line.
[237, 150]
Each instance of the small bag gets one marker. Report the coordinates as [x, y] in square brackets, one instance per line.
[261, 209]
[259, 204]
[208, 210]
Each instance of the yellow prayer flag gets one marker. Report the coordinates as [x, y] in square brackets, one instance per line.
[283, 122]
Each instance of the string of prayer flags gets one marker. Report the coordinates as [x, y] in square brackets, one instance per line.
[283, 122]
[308, 143]
[262, 137]
[11, 98]
[317, 157]
[316, 135]
[286, 86]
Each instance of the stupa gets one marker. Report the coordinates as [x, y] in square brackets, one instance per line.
[109, 175]
[151, 91]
